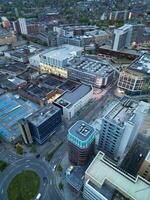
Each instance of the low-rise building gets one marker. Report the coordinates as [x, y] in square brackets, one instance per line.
[135, 79]
[54, 60]
[104, 181]
[72, 101]
[94, 70]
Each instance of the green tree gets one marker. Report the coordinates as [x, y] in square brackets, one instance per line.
[61, 185]
[19, 149]
[59, 168]
[33, 148]
[3, 165]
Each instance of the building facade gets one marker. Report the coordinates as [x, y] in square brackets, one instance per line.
[92, 70]
[120, 127]
[135, 79]
[81, 142]
[41, 124]
[144, 170]
[122, 37]
[72, 101]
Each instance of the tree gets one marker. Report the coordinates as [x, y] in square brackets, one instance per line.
[19, 149]
[3, 165]
[59, 168]
[33, 148]
[61, 185]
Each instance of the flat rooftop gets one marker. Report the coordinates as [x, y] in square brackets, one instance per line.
[62, 52]
[12, 109]
[102, 171]
[81, 130]
[142, 64]
[69, 98]
[95, 65]
[122, 111]
[43, 114]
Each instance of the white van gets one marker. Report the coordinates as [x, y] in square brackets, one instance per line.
[38, 196]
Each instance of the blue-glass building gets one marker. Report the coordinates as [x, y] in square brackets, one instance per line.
[41, 124]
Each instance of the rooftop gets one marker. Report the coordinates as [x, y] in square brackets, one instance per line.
[81, 130]
[142, 64]
[43, 114]
[134, 188]
[95, 65]
[125, 110]
[12, 109]
[69, 98]
[4, 33]
[62, 52]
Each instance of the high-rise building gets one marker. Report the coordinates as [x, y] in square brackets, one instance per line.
[120, 127]
[41, 124]
[23, 26]
[81, 142]
[104, 181]
[122, 37]
[144, 170]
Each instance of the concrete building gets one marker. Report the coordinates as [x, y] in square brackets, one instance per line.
[144, 170]
[122, 37]
[91, 69]
[23, 26]
[104, 181]
[72, 101]
[41, 124]
[25, 131]
[120, 127]
[135, 79]
[81, 142]
[54, 60]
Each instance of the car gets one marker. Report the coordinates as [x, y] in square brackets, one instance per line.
[38, 196]
[54, 168]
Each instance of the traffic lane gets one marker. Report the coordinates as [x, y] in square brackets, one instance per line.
[38, 167]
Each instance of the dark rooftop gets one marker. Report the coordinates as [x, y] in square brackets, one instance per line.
[81, 130]
[43, 114]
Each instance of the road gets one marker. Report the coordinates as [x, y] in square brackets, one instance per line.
[18, 163]
[48, 187]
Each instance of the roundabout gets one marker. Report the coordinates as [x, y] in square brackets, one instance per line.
[24, 186]
[45, 176]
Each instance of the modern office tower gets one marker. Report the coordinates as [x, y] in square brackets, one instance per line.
[120, 127]
[135, 79]
[25, 131]
[122, 37]
[81, 142]
[42, 123]
[103, 181]
[144, 170]
[23, 26]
